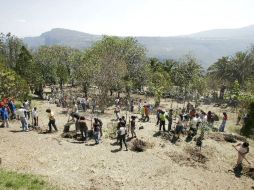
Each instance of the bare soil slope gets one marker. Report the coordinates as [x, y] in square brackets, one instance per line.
[74, 165]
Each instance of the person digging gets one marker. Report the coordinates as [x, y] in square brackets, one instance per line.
[243, 150]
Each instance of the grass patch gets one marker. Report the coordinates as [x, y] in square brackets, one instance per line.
[16, 181]
[234, 129]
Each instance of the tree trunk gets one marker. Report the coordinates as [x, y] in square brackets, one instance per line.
[39, 92]
[72, 82]
[61, 84]
[85, 89]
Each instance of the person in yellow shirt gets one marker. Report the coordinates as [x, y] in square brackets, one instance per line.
[52, 120]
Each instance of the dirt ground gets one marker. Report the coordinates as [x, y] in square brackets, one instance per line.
[71, 164]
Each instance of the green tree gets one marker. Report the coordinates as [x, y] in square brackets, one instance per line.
[112, 64]
[187, 75]
[159, 83]
[11, 84]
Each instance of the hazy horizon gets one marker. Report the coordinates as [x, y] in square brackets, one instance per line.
[29, 18]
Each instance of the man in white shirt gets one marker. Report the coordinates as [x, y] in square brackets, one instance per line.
[196, 121]
[22, 116]
[35, 117]
[27, 108]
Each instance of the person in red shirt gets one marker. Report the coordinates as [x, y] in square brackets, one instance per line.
[224, 121]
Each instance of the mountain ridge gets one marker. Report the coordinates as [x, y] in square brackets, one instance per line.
[207, 46]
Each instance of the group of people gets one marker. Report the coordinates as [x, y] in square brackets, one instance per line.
[9, 111]
[187, 121]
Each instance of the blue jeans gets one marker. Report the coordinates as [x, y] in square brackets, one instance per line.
[96, 137]
[24, 123]
[222, 126]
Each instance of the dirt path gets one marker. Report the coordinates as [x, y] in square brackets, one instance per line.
[73, 165]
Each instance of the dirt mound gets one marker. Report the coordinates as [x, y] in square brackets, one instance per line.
[139, 145]
[234, 138]
[191, 157]
[70, 134]
[216, 136]
[220, 137]
[196, 155]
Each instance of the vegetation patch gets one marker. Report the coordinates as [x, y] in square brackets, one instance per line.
[15, 181]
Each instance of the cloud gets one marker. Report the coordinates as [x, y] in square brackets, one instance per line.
[22, 20]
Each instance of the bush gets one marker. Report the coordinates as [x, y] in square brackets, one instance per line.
[248, 127]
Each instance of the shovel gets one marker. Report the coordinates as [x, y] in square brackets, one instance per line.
[240, 153]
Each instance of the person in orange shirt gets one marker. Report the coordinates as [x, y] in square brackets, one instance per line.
[146, 113]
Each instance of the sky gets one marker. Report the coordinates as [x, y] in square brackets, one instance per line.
[124, 17]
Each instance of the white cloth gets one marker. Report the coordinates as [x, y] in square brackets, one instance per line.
[83, 100]
[21, 112]
[27, 105]
[34, 113]
[122, 131]
[242, 149]
[75, 108]
[194, 121]
[51, 115]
